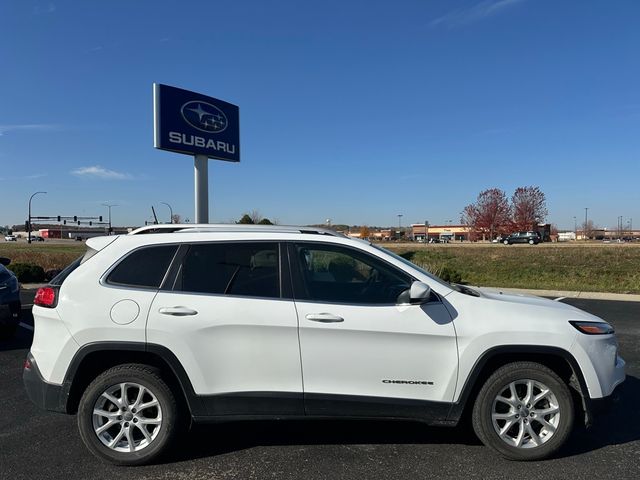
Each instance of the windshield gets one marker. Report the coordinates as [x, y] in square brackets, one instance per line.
[413, 265]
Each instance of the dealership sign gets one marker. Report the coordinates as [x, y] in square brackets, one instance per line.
[194, 124]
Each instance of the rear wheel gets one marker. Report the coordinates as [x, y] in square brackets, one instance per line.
[506, 242]
[524, 411]
[531, 242]
[128, 415]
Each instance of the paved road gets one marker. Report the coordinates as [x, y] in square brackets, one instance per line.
[37, 445]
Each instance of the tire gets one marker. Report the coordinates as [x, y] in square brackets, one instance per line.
[506, 242]
[160, 418]
[517, 443]
[8, 331]
[531, 242]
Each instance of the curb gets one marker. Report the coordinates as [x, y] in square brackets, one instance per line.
[619, 297]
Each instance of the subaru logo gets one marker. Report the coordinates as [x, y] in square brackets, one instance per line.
[204, 117]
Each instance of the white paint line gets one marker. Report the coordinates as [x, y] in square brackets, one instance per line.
[559, 299]
[24, 325]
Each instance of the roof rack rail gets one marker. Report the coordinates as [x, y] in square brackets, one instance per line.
[233, 227]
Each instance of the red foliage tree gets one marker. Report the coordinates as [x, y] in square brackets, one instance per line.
[490, 214]
[529, 208]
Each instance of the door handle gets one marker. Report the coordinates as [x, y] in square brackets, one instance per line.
[177, 311]
[324, 318]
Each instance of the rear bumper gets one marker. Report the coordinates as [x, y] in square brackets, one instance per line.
[47, 396]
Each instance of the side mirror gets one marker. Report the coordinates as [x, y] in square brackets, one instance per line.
[5, 261]
[417, 294]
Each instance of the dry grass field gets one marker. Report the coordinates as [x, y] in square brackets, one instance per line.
[594, 267]
[48, 255]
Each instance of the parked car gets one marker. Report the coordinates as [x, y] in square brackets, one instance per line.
[532, 238]
[10, 238]
[148, 331]
[9, 300]
[37, 238]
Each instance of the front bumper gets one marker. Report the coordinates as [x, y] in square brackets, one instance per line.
[47, 396]
[600, 406]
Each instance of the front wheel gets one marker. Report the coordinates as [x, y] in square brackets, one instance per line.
[524, 411]
[128, 415]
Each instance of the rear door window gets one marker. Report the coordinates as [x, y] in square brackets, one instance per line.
[244, 269]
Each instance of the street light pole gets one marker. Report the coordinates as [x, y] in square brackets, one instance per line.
[170, 211]
[399, 224]
[29, 226]
[109, 207]
[584, 233]
[575, 228]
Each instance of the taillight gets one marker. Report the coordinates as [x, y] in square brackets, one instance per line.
[45, 297]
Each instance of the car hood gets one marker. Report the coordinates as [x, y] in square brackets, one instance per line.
[532, 300]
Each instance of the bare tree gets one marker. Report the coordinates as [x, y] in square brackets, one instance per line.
[529, 208]
[364, 232]
[490, 213]
[176, 218]
[588, 229]
[255, 216]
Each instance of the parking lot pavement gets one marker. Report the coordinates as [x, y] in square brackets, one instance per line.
[41, 445]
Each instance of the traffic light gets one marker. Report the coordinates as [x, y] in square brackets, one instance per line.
[65, 222]
[75, 219]
[77, 222]
[58, 217]
[90, 223]
[26, 225]
[100, 217]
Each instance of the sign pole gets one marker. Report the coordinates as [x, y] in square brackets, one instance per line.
[201, 178]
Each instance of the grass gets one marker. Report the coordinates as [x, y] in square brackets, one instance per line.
[47, 255]
[590, 267]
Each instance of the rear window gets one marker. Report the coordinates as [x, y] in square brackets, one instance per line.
[145, 267]
[62, 276]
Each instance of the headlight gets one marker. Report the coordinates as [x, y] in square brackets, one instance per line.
[593, 328]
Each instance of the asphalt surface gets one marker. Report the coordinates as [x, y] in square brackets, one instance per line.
[36, 445]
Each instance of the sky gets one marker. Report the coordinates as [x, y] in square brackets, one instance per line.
[354, 111]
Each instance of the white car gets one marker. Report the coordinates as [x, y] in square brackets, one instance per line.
[10, 238]
[225, 322]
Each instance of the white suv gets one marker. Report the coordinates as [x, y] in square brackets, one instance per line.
[223, 322]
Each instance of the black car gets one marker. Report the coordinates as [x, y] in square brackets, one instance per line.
[9, 301]
[532, 238]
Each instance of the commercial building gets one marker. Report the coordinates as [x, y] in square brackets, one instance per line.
[439, 233]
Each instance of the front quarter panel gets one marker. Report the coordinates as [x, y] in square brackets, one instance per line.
[484, 324]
